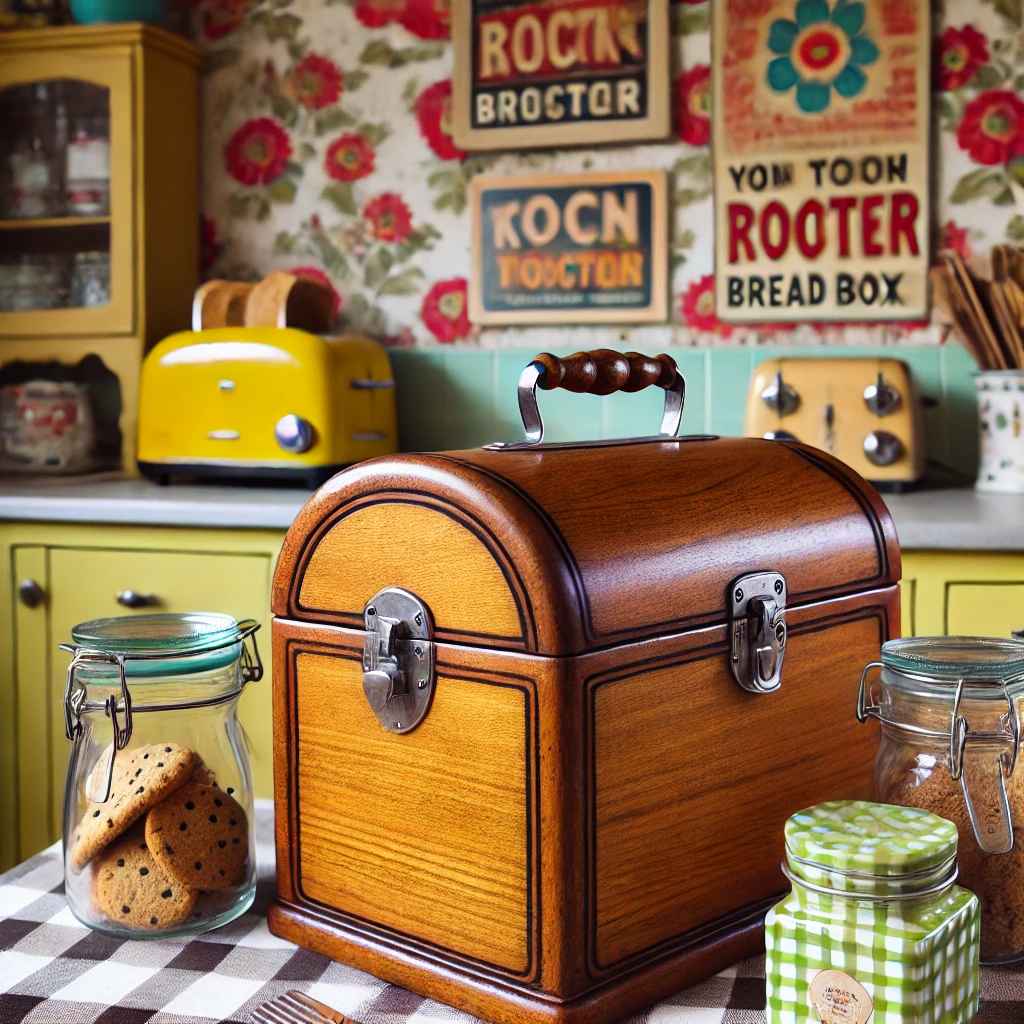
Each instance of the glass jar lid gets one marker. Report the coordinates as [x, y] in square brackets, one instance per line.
[982, 662]
[164, 644]
[859, 838]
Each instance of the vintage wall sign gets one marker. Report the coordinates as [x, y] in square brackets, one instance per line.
[821, 159]
[554, 248]
[558, 73]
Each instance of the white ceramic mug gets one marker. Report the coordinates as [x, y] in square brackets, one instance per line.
[1001, 423]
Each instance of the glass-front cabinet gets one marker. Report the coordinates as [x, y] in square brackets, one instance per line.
[66, 229]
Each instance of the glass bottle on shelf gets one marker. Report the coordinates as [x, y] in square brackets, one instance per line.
[90, 279]
[87, 174]
[32, 281]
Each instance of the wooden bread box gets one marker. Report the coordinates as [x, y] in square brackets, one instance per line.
[541, 710]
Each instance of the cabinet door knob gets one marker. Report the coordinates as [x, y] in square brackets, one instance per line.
[133, 599]
[31, 594]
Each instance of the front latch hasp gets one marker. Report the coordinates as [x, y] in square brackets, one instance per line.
[757, 630]
[398, 659]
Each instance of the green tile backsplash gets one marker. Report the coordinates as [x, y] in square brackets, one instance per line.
[460, 398]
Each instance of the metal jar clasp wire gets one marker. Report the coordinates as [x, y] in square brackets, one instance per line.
[994, 835]
[75, 693]
[993, 832]
[120, 711]
[252, 664]
[866, 710]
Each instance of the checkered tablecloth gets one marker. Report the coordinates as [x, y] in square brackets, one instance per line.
[54, 970]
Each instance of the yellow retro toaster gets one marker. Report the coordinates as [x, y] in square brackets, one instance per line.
[263, 403]
[864, 410]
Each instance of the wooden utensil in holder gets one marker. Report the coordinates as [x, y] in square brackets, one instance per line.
[988, 313]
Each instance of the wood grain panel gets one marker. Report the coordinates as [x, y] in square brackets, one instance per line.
[688, 822]
[426, 833]
[400, 544]
[637, 519]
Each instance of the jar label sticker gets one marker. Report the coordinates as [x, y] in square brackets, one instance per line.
[839, 999]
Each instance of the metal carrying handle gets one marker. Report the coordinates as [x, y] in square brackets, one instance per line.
[76, 692]
[601, 371]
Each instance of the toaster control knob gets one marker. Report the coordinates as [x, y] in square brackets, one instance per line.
[881, 398]
[882, 448]
[294, 434]
[781, 397]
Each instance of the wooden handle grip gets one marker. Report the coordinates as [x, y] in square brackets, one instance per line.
[604, 371]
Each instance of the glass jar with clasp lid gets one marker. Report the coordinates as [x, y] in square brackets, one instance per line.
[950, 714]
[158, 805]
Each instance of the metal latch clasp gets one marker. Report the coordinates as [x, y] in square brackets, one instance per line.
[757, 630]
[398, 659]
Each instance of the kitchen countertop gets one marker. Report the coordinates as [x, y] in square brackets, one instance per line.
[958, 519]
[952, 519]
[140, 502]
[54, 969]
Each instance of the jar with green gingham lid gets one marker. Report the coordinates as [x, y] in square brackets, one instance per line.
[875, 926]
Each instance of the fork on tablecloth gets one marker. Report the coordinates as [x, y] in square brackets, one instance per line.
[297, 1008]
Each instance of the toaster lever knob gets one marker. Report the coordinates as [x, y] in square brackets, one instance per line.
[881, 397]
[294, 434]
[882, 448]
[781, 397]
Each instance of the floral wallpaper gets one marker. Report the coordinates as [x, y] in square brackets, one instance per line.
[327, 151]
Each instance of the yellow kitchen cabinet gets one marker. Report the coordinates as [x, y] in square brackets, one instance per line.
[138, 86]
[57, 575]
[974, 593]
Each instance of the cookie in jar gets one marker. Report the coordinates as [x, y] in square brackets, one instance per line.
[158, 834]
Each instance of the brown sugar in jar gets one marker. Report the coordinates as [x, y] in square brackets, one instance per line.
[950, 718]
[997, 879]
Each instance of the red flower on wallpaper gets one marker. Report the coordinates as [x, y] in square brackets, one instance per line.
[434, 113]
[428, 19]
[221, 17]
[961, 51]
[210, 245]
[258, 152]
[693, 105]
[445, 311]
[698, 307]
[316, 274]
[992, 128]
[378, 13]
[746, 10]
[349, 158]
[956, 238]
[389, 217]
[315, 82]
